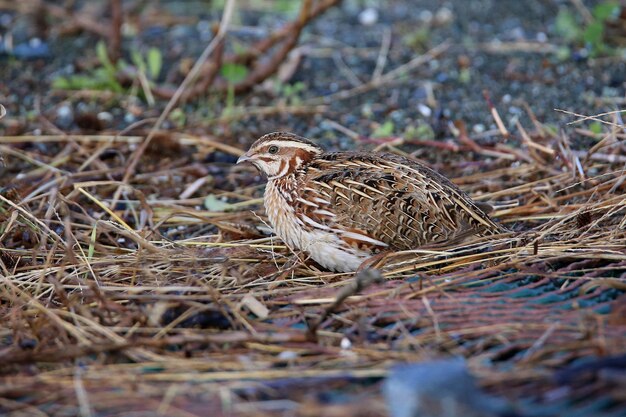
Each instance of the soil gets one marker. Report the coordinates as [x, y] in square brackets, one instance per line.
[482, 58]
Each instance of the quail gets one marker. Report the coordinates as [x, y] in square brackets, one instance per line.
[343, 208]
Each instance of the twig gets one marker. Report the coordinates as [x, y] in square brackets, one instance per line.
[596, 118]
[381, 61]
[84, 22]
[134, 159]
[346, 70]
[495, 115]
[341, 128]
[34, 219]
[81, 393]
[115, 37]
[519, 46]
[387, 78]
[361, 281]
[261, 47]
[260, 73]
[583, 10]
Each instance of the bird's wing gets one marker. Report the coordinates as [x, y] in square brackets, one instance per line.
[386, 201]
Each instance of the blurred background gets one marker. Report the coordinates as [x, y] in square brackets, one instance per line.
[93, 66]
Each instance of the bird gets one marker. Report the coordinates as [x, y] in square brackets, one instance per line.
[343, 208]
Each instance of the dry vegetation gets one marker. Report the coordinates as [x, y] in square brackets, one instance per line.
[150, 292]
[124, 288]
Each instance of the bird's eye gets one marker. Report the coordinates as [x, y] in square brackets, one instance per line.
[273, 149]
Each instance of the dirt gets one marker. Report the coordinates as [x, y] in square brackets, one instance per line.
[458, 78]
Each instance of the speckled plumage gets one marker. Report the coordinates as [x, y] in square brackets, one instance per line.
[343, 207]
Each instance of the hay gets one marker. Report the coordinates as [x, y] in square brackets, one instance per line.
[152, 302]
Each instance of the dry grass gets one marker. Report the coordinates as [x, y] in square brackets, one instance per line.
[151, 302]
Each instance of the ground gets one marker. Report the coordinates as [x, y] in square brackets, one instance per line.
[157, 288]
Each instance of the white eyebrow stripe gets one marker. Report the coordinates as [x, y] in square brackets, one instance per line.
[292, 144]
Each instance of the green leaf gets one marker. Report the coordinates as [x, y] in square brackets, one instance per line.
[596, 127]
[212, 203]
[563, 53]
[179, 117]
[425, 131]
[239, 47]
[605, 10]
[567, 26]
[384, 130]
[138, 61]
[155, 62]
[92, 241]
[234, 73]
[61, 83]
[103, 57]
[593, 34]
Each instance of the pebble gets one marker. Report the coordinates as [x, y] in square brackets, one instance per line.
[64, 111]
[105, 116]
[182, 32]
[368, 17]
[34, 49]
[441, 388]
[397, 116]
[346, 343]
[65, 116]
[287, 355]
[129, 118]
[444, 16]
[518, 34]
[478, 128]
[424, 110]
[425, 16]
[5, 20]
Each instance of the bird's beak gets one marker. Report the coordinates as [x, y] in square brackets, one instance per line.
[243, 158]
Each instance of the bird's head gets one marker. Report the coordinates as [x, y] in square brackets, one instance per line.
[279, 154]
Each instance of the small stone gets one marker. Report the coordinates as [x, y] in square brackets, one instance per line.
[368, 17]
[443, 388]
[518, 33]
[105, 116]
[424, 110]
[425, 16]
[444, 16]
[287, 355]
[34, 49]
[542, 37]
[64, 116]
[5, 19]
[346, 343]
[129, 118]
[64, 111]
[478, 128]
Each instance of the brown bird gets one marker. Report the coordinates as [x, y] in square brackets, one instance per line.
[345, 207]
